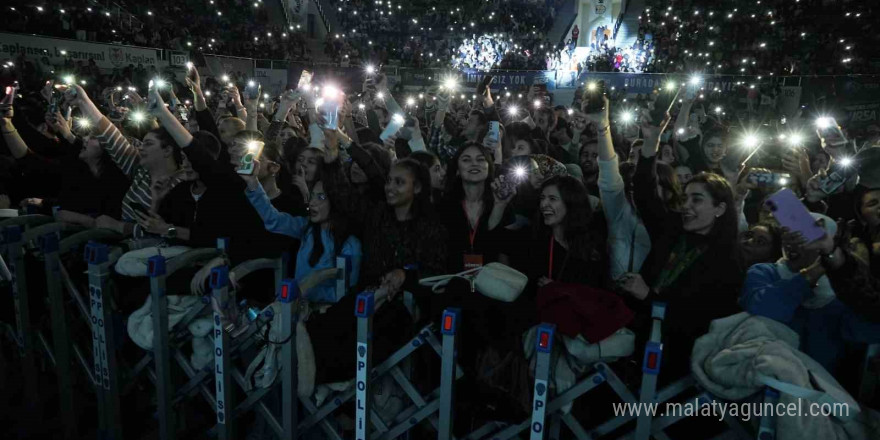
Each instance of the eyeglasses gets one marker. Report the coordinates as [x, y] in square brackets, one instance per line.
[322, 197]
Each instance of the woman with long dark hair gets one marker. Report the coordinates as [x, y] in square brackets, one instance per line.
[567, 248]
[324, 235]
[693, 265]
[402, 243]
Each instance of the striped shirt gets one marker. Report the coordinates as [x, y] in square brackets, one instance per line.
[127, 158]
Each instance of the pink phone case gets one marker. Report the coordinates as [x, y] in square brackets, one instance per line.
[792, 214]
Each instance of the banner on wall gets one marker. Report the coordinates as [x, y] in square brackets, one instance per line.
[57, 50]
[271, 80]
[218, 65]
[472, 78]
[177, 58]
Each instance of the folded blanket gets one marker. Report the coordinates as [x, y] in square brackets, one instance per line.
[739, 350]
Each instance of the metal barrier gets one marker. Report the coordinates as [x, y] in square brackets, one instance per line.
[158, 269]
[449, 323]
[651, 367]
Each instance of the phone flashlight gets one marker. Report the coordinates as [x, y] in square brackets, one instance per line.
[695, 79]
[513, 110]
[189, 65]
[69, 79]
[627, 117]
[570, 111]
[225, 78]
[823, 122]
[846, 161]
[591, 86]
[138, 117]
[519, 172]
[410, 102]
[370, 69]
[537, 103]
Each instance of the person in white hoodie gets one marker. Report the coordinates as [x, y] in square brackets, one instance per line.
[628, 240]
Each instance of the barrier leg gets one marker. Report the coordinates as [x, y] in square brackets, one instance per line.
[767, 429]
[222, 358]
[26, 341]
[287, 295]
[449, 327]
[104, 343]
[651, 368]
[161, 349]
[364, 312]
[544, 346]
[60, 335]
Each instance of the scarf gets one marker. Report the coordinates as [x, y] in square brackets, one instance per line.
[822, 295]
[680, 259]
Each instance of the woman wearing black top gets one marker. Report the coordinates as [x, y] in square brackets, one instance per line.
[402, 244]
[566, 248]
[693, 264]
[89, 185]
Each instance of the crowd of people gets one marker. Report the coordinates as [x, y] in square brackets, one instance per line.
[432, 34]
[587, 200]
[772, 36]
[215, 26]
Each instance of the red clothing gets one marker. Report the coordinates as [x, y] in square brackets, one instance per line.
[580, 309]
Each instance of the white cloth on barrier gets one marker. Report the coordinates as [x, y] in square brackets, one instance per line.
[579, 356]
[140, 327]
[739, 350]
[134, 263]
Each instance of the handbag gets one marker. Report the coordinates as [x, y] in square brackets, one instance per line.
[494, 280]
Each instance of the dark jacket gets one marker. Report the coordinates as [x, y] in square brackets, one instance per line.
[706, 290]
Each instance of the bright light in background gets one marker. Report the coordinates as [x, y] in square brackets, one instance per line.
[695, 79]
[519, 172]
[398, 118]
[591, 86]
[513, 110]
[410, 101]
[795, 139]
[225, 78]
[83, 123]
[537, 104]
[361, 106]
[380, 95]
[253, 146]
[846, 161]
[627, 117]
[69, 79]
[751, 141]
[160, 83]
[330, 92]
[823, 122]
[570, 111]
[252, 84]
[718, 109]
[370, 69]
[450, 83]
[138, 116]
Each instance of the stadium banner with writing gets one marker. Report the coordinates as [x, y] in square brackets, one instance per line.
[218, 65]
[472, 78]
[853, 100]
[271, 80]
[106, 56]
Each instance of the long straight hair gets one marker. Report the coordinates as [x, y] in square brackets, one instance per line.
[339, 229]
[455, 185]
[578, 216]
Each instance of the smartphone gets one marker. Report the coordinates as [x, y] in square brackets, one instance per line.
[831, 133]
[487, 79]
[10, 93]
[53, 105]
[837, 178]
[792, 214]
[252, 90]
[394, 125]
[494, 135]
[329, 110]
[663, 102]
[593, 102]
[246, 164]
[305, 79]
[184, 114]
[769, 180]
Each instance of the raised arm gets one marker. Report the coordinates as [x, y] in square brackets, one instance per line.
[274, 220]
[124, 155]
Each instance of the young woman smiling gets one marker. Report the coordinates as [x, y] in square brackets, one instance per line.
[693, 264]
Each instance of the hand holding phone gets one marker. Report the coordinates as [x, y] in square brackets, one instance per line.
[792, 214]
[305, 80]
[593, 102]
[252, 90]
[248, 163]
